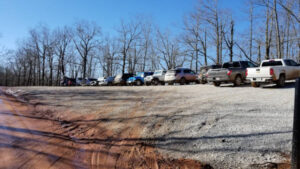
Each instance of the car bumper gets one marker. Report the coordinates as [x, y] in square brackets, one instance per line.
[261, 79]
[218, 79]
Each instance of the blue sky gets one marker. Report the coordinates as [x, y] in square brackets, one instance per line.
[18, 16]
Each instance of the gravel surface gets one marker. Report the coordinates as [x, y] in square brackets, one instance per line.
[226, 127]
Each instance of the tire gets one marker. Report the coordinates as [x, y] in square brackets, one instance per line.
[255, 84]
[216, 84]
[182, 81]
[155, 82]
[238, 80]
[139, 83]
[281, 81]
[203, 82]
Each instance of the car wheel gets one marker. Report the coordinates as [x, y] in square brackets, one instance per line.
[238, 81]
[217, 83]
[155, 82]
[255, 84]
[281, 81]
[182, 81]
[138, 83]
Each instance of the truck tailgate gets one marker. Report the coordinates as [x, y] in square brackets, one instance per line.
[259, 72]
[218, 74]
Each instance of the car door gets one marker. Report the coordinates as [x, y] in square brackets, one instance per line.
[292, 69]
[187, 74]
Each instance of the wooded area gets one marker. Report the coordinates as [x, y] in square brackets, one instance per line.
[209, 36]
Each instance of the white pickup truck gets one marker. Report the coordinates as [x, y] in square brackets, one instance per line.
[273, 71]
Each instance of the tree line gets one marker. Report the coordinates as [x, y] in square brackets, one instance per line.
[208, 36]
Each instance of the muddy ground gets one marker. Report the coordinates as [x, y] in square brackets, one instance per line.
[194, 126]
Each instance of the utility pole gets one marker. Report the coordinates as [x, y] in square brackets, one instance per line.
[296, 129]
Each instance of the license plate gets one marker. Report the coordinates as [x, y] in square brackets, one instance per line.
[217, 78]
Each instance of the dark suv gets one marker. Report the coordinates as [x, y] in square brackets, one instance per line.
[120, 79]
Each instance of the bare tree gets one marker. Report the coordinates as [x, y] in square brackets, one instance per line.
[211, 13]
[229, 40]
[129, 33]
[63, 39]
[85, 40]
[169, 51]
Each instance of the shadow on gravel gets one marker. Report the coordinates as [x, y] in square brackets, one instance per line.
[81, 95]
[288, 85]
[157, 142]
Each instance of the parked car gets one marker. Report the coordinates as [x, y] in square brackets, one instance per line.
[180, 75]
[91, 82]
[121, 79]
[157, 78]
[109, 81]
[138, 79]
[231, 72]
[80, 81]
[66, 81]
[274, 71]
[203, 72]
[102, 81]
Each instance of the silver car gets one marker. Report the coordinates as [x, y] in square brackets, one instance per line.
[181, 75]
[157, 78]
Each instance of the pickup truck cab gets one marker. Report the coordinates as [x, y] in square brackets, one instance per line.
[231, 72]
[274, 71]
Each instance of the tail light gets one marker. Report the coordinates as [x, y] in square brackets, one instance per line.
[271, 71]
[246, 72]
[229, 72]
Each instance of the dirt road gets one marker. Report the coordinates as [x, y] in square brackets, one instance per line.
[32, 138]
[147, 127]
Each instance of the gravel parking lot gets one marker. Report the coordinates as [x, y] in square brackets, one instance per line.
[226, 127]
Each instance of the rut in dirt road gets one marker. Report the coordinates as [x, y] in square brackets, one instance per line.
[30, 140]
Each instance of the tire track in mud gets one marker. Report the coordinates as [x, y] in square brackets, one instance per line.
[123, 153]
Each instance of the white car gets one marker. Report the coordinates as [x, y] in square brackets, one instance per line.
[273, 71]
[102, 81]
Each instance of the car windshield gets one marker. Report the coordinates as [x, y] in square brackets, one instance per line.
[158, 73]
[140, 74]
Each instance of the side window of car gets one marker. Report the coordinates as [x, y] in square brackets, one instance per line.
[236, 64]
[187, 71]
[290, 63]
[178, 71]
[293, 63]
[226, 65]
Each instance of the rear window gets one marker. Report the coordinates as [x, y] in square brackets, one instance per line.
[231, 65]
[271, 63]
[246, 64]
